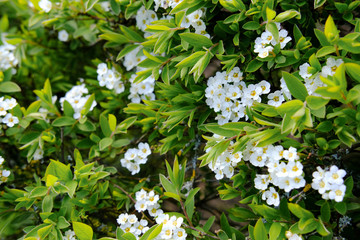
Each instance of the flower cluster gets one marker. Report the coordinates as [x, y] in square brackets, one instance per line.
[110, 78]
[136, 156]
[285, 169]
[330, 183]
[4, 174]
[229, 95]
[7, 57]
[129, 223]
[142, 90]
[224, 165]
[77, 100]
[194, 20]
[312, 80]
[133, 58]
[166, 3]
[145, 17]
[171, 227]
[264, 45]
[69, 235]
[5, 105]
[148, 201]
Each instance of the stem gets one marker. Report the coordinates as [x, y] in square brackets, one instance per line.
[337, 51]
[185, 213]
[201, 232]
[127, 194]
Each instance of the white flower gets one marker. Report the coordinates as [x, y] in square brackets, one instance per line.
[131, 153]
[1, 160]
[331, 66]
[10, 103]
[122, 219]
[69, 235]
[295, 168]
[272, 197]
[276, 98]
[179, 234]
[264, 52]
[63, 36]
[304, 72]
[141, 205]
[45, 5]
[102, 69]
[132, 219]
[337, 192]
[39, 154]
[335, 175]
[152, 198]
[10, 120]
[261, 181]
[5, 173]
[291, 154]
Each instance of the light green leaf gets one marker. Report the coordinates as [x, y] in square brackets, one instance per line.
[196, 40]
[105, 142]
[296, 87]
[82, 231]
[260, 232]
[8, 87]
[90, 4]
[63, 121]
[287, 15]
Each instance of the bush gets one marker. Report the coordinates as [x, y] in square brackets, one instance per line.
[124, 119]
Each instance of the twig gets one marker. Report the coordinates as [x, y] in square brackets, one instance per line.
[127, 194]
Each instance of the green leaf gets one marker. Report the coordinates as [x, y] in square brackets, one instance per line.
[341, 208]
[353, 69]
[168, 186]
[260, 232]
[152, 233]
[44, 231]
[331, 31]
[314, 102]
[105, 142]
[90, 4]
[321, 37]
[173, 195]
[253, 65]
[325, 51]
[38, 192]
[191, 60]
[105, 127]
[8, 87]
[63, 121]
[251, 25]
[287, 15]
[270, 14]
[272, 28]
[275, 231]
[321, 229]
[82, 231]
[196, 40]
[88, 105]
[112, 122]
[325, 212]
[47, 204]
[115, 7]
[191, 195]
[299, 211]
[296, 87]
[318, 3]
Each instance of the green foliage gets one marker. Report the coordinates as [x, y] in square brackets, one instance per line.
[170, 74]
